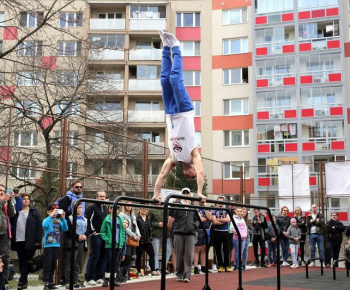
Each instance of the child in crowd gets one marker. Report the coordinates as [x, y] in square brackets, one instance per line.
[106, 235]
[79, 242]
[347, 254]
[52, 225]
[294, 235]
[272, 244]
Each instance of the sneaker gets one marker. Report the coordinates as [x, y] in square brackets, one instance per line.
[196, 270]
[228, 269]
[296, 266]
[328, 265]
[221, 269]
[179, 278]
[284, 264]
[105, 282]
[67, 286]
[154, 273]
[271, 265]
[52, 286]
[292, 266]
[92, 283]
[46, 286]
[214, 268]
[203, 269]
[76, 285]
[234, 268]
[264, 266]
[99, 281]
[187, 280]
[166, 272]
[243, 267]
[312, 264]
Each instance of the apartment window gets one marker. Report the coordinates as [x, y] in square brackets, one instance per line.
[147, 106]
[30, 48]
[264, 6]
[188, 19]
[235, 45]
[235, 76]
[234, 16]
[110, 15]
[26, 139]
[71, 19]
[190, 48]
[236, 138]
[153, 137]
[236, 107]
[109, 76]
[71, 168]
[107, 106]
[192, 78]
[31, 19]
[198, 137]
[2, 19]
[72, 138]
[67, 108]
[145, 72]
[67, 78]
[147, 11]
[335, 203]
[315, 3]
[24, 172]
[197, 108]
[28, 78]
[28, 108]
[232, 169]
[107, 41]
[69, 48]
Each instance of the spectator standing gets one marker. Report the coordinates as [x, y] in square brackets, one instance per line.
[248, 238]
[294, 235]
[272, 244]
[242, 227]
[52, 225]
[259, 225]
[17, 201]
[26, 237]
[184, 238]
[145, 227]
[283, 221]
[2, 278]
[347, 254]
[95, 215]
[335, 230]
[301, 224]
[132, 231]
[315, 224]
[7, 211]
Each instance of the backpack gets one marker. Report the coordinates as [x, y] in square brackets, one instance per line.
[58, 201]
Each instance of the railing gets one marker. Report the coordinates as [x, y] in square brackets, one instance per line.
[145, 54]
[104, 116]
[307, 266]
[276, 112]
[321, 110]
[106, 54]
[275, 80]
[147, 24]
[318, 43]
[106, 85]
[277, 145]
[274, 47]
[103, 148]
[335, 264]
[145, 85]
[274, 16]
[155, 148]
[146, 116]
[319, 77]
[323, 143]
[107, 24]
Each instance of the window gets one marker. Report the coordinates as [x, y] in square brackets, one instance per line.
[31, 19]
[24, 172]
[154, 168]
[197, 108]
[153, 137]
[71, 19]
[28, 78]
[198, 137]
[190, 48]
[234, 16]
[232, 169]
[235, 76]
[109, 76]
[335, 203]
[192, 78]
[72, 138]
[145, 72]
[69, 48]
[110, 15]
[235, 45]
[107, 106]
[315, 3]
[26, 139]
[104, 168]
[236, 107]
[147, 11]
[67, 78]
[108, 41]
[2, 19]
[28, 108]
[236, 138]
[30, 48]
[147, 106]
[188, 19]
[72, 167]
[265, 6]
[67, 108]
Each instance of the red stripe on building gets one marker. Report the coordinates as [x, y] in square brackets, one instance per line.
[220, 4]
[191, 62]
[5, 154]
[287, 17]
[232, 122]
[7, 92]
[188, 33]
[347, 49]
[10, 33]
[48, 62]
[194, 92]
[232, 186]
[232, 61]
[197, 124]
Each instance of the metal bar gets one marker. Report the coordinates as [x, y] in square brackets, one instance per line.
[145, 168]
[8, 161]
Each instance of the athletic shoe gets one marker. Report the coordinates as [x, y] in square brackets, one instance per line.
[92, 283]
[187, 280]
[52, 286]
[296, 266]
[328, 265]
[154, 273]
[179, 278]
[99, 281]
[284, 264]
[221, 269]
[292, 266]
[105, 282]
[264, 266]
[271, 265]
[312, 264]
[203, 269]
[228, 269]
[196, 270]
[214, 268]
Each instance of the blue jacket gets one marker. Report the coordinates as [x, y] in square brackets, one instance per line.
[52, 231]
[67, 201]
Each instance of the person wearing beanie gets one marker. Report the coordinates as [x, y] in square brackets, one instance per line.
[294, 235]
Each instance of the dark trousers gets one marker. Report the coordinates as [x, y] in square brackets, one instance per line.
[302, 249]
[79, 254]
[94, 270]
[50, 261]
[257, 240]
[333, 250]
[150, 252]
[106, 263]
[63, 257]
[221, 240]
[5, 250]
[23, 257]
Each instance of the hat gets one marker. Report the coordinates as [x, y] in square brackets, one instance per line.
[52, 206]
[186, 189]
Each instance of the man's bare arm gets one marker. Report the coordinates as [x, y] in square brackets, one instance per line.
[168, 164]
[197, 163]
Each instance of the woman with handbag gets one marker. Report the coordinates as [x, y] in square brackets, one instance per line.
[26, 237]
[132, 238]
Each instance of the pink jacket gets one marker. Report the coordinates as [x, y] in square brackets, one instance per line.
[242, 227]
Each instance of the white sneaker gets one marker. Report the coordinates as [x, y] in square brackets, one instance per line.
[92, 283]
[293, 266]
[312, 264]
[214, 268]
[296, 266]
[284, 264]
[99, 281]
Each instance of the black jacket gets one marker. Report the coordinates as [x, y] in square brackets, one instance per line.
[185, 222]
[319, 225]
[259, 228]
[335, 234]
[139, 221]
[284, 223]
[95, 218]
[69, 237]
[301, 224]
[33, 232]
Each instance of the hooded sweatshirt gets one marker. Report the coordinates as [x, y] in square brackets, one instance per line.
[68, 200]
[293, 232]
[242, 227]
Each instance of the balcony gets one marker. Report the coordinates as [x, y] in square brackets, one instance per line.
[321, 77]
[148, 24]
[273, 113]
[276, 80]
[275, 48]
[317, 44]
[104, 116]
[324, 110]
[270, 146]
[154, 148]
[145, 85]
[96, 86]
[145, 54]
[323, 144]
[318, 11]
[146, 116]
[107, 24]
[103, 148]
[274, 17]
[106, 54]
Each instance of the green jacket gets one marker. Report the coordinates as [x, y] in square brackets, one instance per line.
[156, 216]
[106, 233]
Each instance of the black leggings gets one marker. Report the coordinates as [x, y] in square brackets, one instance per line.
[149, 250]
[257, 240]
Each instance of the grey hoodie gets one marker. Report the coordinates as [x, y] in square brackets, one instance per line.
[293, 232]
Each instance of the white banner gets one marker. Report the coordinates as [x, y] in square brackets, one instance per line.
[293, 180]
[304, 203]
[337, 178]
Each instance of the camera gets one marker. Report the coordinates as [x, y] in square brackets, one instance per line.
[16, 190]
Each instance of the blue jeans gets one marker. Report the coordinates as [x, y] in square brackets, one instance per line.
[175, 96]
[97, 251]
[245, 251]
[316, 239]
[272, 252]
[285, 248]
[156, 243]
[235, 244]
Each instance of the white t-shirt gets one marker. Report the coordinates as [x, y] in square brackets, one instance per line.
[313, 228]
[181, 138]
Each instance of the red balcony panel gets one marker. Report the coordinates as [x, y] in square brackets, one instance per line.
[289, 81]
[334, 77]
[343, 216]
[263, 115]
[48, 62]
[287, 17]
[336, 111]
[331, 44]
[305, 46]
[264, 148]
[332, 11]
[338, 145]
[290, 114]
[10, 33]
[312, 180]
[318, 13]
[5, 153]
[264, 181]
[288, 48]
[304, 15]
[194, 92]
[261, 20]
[231, 186]
[308, 113]
[309, 146]
[197, 124]
[306, 79]
[191, 62]
[188, 33]
[291, 147]
[261, 51]
[262, 83]
[7, 92]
